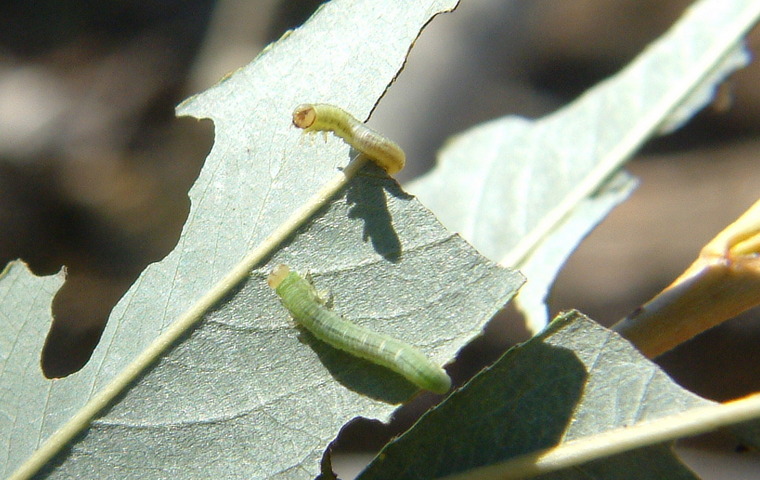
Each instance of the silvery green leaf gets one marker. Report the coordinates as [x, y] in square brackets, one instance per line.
[244, 394]
[573, 380]
[509, 185]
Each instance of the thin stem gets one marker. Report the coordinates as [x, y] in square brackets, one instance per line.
[619, 440]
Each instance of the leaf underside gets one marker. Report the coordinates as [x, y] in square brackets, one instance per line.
[575, 379]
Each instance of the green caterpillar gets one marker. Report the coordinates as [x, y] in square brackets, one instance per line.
[321, 117]
[304, 304]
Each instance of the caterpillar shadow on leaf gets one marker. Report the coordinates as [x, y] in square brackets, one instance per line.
[366, 197]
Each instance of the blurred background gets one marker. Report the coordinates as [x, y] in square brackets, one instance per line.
[95, 168]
